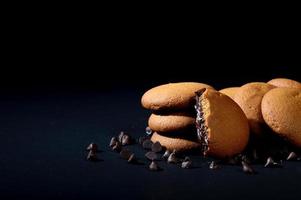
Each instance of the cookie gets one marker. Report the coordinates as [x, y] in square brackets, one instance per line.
[222, 126]
[180, 144]
[230, 92]
[281, 110]
[284, 82]
[171, 123]
[172, 96]
[249, 97]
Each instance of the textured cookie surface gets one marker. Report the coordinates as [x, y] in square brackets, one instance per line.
[281, 109]
[249, 97]
[172, 96]
[284, 82]
[171, 123]
[227, 125]
[230, 92]
[175, 143]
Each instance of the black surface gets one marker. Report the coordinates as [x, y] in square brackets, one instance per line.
[44, 133]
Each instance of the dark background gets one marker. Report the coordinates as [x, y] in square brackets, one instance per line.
[70, 81]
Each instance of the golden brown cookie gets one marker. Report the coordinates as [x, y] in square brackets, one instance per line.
[222, 126]
[230, 92]
[284, 82]
[249, 97]
[175, 143]
[172, 96]
[171, 123]
[281, 110]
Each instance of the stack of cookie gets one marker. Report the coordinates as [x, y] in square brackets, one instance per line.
[173, 115]
[194, 116]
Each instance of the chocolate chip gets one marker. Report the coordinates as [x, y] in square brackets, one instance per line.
[271, 163]
[92, 156]
[142, 139]
[156, 147]
[186, 159]
[214, 165]
[153, 166]
[125, 154]
[148, 131]
[132, 158]
[247, 168]
[186, 164]
[173, 158]
[92, 147]
[147, 144]
[236, 160]
[151, 155]
[245, 159]
[292, 156]
[255, 154]
[113, 141]
[125, 140]
[117, 147]
[166, 154]
[120, 136]
[238, 157]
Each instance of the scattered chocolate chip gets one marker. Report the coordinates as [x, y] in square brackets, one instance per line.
[156, 147]
[92, 147]
[153, 166]
[166, 155]
[125, 140]
[214, 165]
[117, 147]
[247, 168]
[147, 144]
[186, 164]
[113, 141]
[148, 131]
[92, 156]
[142, 139]
[292, 156]
[173, 158]
[121, 134]
[271, 163]
[125, 154]
[132, 158]
[151, 155]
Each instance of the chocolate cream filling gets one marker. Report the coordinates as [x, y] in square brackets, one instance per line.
[202, 129]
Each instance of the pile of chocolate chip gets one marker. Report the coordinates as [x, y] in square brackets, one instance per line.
[117, 144]
[154, 150]
[269, 157]
[155, 153]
